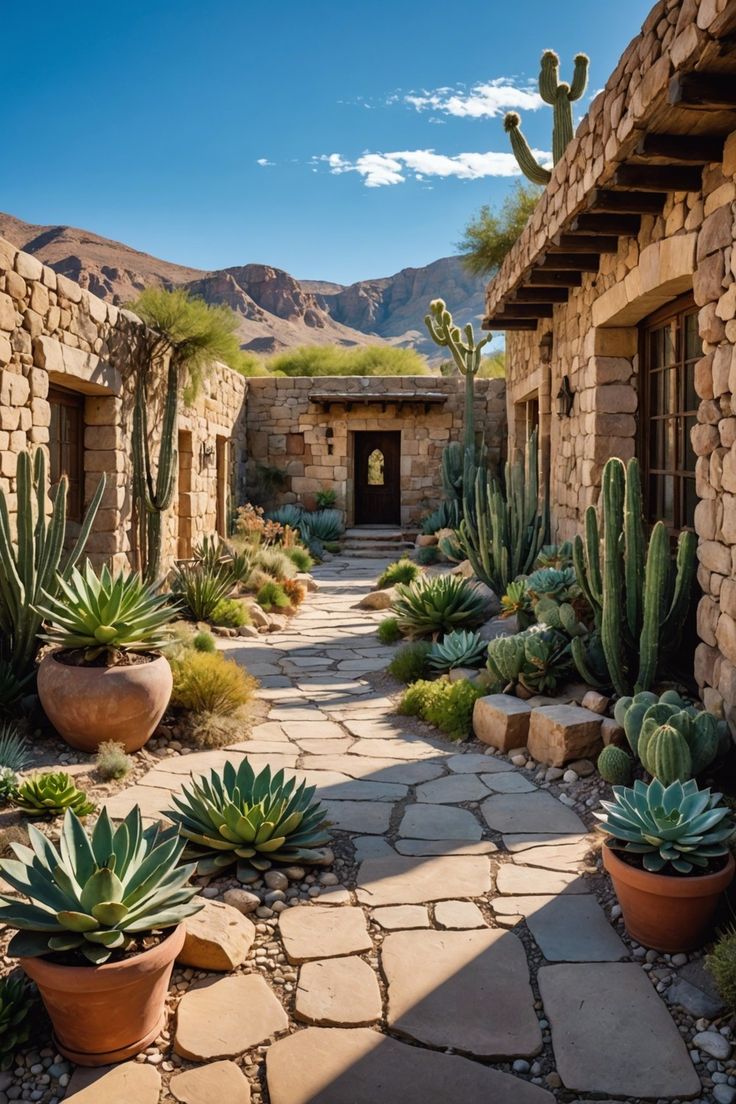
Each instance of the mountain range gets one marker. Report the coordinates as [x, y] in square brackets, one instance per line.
[275, 311]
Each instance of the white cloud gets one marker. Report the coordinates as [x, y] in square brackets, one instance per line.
[481, 101]
[381, 169]
[263, 162]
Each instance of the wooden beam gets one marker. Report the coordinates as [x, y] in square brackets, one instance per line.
[659, 178]
[572, 262]
[638, 203]
[526, 310]
[699, 149]
[538, 295]
[588, 221]
[554, 278]
[703, 91]
[583, 243]
[503, 322]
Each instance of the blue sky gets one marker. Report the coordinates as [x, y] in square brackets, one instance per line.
[146, 122]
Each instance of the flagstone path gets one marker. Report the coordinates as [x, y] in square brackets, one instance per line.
[465, 958]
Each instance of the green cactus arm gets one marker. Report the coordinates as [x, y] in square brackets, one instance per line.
[549, 76]
[531, 169]
[562, 123]
[656, 575]
[580, 659]
[580, 76]
[612, 500]
[671, 630]
[633, 549]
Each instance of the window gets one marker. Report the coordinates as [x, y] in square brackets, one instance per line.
[66, 446]
[376, 464]
[670, 348]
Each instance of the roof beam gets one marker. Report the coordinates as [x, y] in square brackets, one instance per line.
[589, 221]
[583, 243]
[554, 278]
[572, 262]
[699, 149]
[703, 91]
[636, 203]
[503, 322]
[659, 178]
[538, 295]
[526, 310]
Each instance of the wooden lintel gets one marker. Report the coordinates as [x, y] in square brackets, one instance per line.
[659, 178]
[583, 243]
[538, 295]
[589, 221]
[703, 91]
[501, 322]
[698, 149]
[638, 203]
[539, 277]
[573, 262]
[526, 310]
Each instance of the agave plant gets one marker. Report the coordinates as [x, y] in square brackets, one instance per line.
[457, 649]
[517, 603]
[323, 525]
[13, 758]
[289, 514]
[678, 825]
[211, 550]
[50, 794]
[251, 819]
[105, 613]
[553, 582]
[200, 588]
[16, 1003]
[433, 605]
[555, 555]
[95, 894]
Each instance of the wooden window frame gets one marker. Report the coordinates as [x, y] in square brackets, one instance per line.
[678, 309]
[62, 396]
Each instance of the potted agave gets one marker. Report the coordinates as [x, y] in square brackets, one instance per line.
[106, 679]
[100, 931]
[669, 861]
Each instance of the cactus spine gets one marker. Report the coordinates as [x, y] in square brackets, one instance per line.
[154, 496]
[32, 562]
[638, 601]
[560, 96]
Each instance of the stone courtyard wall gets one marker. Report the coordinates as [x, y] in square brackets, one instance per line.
[310, 444]
[52, 331]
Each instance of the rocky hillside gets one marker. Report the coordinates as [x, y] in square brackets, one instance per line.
[275, 310]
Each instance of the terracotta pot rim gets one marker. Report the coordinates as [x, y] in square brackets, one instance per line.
[110, 974]
[668, 885]
[151, 658]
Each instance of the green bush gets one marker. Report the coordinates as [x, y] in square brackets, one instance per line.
[410, 662]
[326, 498]
[273, 596]
[300, 558]
[206, 683]
[333, 546]
[430, 554]
[401, 571]
[446, 705]
[204, 642]
[722, 964]
[276, 563]
[231, 613]
[112, 760]
[330, 360]
[388, 630]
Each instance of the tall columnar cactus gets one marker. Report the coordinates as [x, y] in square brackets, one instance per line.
[31, 561]
[639, 598]
[560, 96]
[508, 527]
[153, 494]
[465, 353]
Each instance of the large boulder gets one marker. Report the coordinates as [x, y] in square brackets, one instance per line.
[218, 937]
[378, 599]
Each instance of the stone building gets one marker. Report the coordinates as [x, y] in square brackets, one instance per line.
[66, 385]
[376, 441]
[619, 304]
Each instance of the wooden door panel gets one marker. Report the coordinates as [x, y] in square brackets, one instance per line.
[378, 478]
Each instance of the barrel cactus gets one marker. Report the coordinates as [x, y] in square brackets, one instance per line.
[672, 738]
[535, 660]
[615, 766]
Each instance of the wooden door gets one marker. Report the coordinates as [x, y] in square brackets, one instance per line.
[378, 478]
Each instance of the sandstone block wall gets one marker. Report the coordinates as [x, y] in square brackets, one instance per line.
[313, 447]
[52, 331]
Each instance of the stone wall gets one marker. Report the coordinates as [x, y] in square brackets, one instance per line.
[52, 331]
[294, 428]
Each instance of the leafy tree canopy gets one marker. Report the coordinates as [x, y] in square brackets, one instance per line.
[331, 360]
[490, 234]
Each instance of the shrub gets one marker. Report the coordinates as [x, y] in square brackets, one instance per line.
[430, 554]
[276, 563]
[333, 546]
[446, 705]
[332, 360]
[231, 613]
[722, 964]
[389, 631]
[204, 642]
[200, 588]
[402, 571]
[300, 558]
[295, 591]
[326, 498]
[272, 596]
[210, 684]
[437, 605]
[410, 662]
[212, 730]
[112, 760]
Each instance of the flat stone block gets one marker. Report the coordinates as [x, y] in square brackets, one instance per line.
[314, 931]
[468, 990]
[439, 822]
[359, 816]
[458, 915]
[508, 782]
[560, 733]
[397, 917]
[445, 847]
[115, 1085]
[474, 763]
[501, 721]
[341, 992]
[215, 1083]
[566, 856]
[360, 1066]
[567, 929]
[644, 1054]
[454, 788]
[513, 880]
[224, 1018]
[217, 938]
[400, 880]
[533, 812]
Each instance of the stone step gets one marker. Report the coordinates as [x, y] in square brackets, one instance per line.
[379, 533]
[375, 553]
[375, 546]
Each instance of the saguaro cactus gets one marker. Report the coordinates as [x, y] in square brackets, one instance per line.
[465, 353]
[639, 598]
[154, 495]
[560, 95]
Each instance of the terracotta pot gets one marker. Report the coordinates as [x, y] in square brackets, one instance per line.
[103, 1014]
[87, 705]
[663, 911]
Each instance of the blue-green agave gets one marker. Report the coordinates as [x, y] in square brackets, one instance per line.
[457, 649]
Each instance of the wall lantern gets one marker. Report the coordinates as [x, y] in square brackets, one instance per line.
[545, 348]
[206, 455]
[565, 398]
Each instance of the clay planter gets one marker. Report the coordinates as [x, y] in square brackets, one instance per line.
[664, 911]
[103, 1014]
[87, 705]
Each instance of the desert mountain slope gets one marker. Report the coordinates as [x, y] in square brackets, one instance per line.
[275, 310]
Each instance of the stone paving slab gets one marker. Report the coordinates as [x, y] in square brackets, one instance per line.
[444, 847]
[474, 763]
[516, 842]
[373, 768]
[114, 1085]
[439, 822]
[458, 914]
[572, 928]
[400, 880]
[532, 812]
[468, 990]
[359, 816]
[508, 782]
[569, 856]
[224, 1018]
[397, 917]
[317, 932]
[340, 992]
[513, 880]
[643, 1054]
[360, 1066]
[215, 1083]
[407, 748]
[452, 789]
[339, 787]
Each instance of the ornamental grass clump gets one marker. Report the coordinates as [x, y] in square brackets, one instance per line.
[401, 571]
[208, 683]
[51, 794]
[199, 588]
[272, 596]
[410, 662]
[668, 829]
[431, 606]
[231, 613]
[253, 820]
[388, 630]
[276, 563]
[112, 760]
[446, 705]
[721, 964]
[94, 895]
[300, 557]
